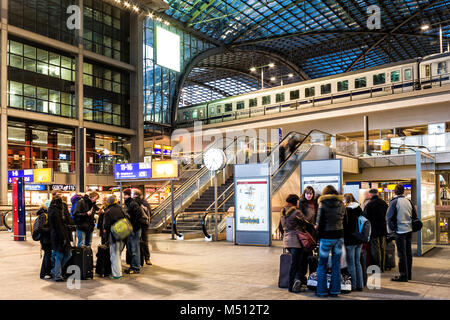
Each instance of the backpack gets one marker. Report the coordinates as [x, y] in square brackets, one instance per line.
[145, 219]
[39, 222]
[363, 230]
[74, 203]
[121, 229]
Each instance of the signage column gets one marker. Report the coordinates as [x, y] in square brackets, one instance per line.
[18, 197]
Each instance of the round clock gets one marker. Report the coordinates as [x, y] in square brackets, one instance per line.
[214, 159]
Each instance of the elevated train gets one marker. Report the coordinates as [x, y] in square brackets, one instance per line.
[404, 76]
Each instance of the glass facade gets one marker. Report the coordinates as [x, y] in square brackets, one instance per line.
[159, 82]
[106, 30]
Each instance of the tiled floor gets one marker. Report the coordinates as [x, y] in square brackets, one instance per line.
[197, 270]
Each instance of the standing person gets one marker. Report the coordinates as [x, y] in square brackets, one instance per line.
[366, 199]
[330, 231]
[399, 221]
[352, 245]
[84, 216]
[133, 246]
[46, 241]
[375, 211]
[113, 213]
[100, 222]
[290, 220]
[60, 234]
[145, 206]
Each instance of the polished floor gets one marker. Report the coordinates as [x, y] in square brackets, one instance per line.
[198, 270]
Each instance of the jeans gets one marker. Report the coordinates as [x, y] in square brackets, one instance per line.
[47, 265]
[145, 248]
[84, 238]
[115, 251]
[61, 259]
[295, 268]
[354, 266]
[404, 252]
[378, 251]
[133, 246]
[335, 247]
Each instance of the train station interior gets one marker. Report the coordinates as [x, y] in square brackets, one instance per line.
[213, 113]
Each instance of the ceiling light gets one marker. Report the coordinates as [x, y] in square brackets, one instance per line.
[135, 8]
[290, 75]
[271, 65]
[127, 4]
[272, 79]
[150, 15]
[252, 69]
[425, 27]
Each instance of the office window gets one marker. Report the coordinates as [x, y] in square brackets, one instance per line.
[379, 79]
[228, 107]
[265, 100]
[279, 97]
[325, 88]
[342, 85]
[253, 102]
[310, 92]
[360, 83]
[240, 105]
[294, 95]
[395, 76]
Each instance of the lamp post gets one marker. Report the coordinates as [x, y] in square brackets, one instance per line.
[427, 27]
[290, 75]
[253, 69]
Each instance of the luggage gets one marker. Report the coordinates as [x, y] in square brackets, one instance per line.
[103, 265]
[364, 266]
[285, 264]
[83, 258]
[313, 262]
[389, 261]
[346, 282]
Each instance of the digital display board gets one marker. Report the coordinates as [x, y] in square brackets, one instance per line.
[167, 49]
[133, 171]
[165, 169]
[252, 212]
[43, 175]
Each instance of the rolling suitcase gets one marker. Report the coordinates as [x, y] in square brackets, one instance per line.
[285, 264]
[84, 259]
[103, 265]
[313, 262]
[364, 266]
[389, 262]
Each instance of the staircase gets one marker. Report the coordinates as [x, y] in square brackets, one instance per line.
[205, 200]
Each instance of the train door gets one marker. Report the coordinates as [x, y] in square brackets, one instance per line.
[408, 78]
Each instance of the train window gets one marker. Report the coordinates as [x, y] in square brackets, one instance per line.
[186, 115]
[408, 74]
[240, 105]
[294, 95]
[379, 79]
[395, 76]
[325, 88]
[265, 100]
[442, 68]
[427, 70]
[253, 102]
[212, 110]
[228, 107]
[194, 114]
[201, 113]
[219, 109]
[360, 82]
[310, 92]
[342, 85]
[279, 97]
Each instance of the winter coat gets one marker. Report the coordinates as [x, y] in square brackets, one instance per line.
[309, 209]
[84, 221]
[375, 211]
[74, 201]
[330, 217]
[143, 202]
[113, 213]
[351, 223]
[59, 221]
[291, 221]
[44, 230]
[134, 212]
[399, 215]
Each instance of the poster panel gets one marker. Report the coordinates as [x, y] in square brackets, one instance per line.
[252, 204]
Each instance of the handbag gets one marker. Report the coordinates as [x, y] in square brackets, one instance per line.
[306, 239]
[416, 224]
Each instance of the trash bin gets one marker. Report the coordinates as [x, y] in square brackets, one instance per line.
[230, 229]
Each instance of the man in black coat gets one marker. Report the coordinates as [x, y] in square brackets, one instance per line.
[145, 250]
[84, 218]
[134, 211]
[375, 211]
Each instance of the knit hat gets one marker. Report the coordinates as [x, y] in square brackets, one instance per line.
[111, 200]
[127, 192]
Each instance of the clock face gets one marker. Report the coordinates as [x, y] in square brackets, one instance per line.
[214, 159]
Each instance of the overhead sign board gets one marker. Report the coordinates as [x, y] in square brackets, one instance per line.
[32, 175]
[26, 174]
[133, 171]
[168, 169]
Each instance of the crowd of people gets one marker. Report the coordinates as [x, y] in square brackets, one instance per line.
[333, 221]
[57, 226]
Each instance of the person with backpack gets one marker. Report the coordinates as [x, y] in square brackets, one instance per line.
[60, 234]
[84, 216]
[134, 211]
[147, 211]
[113, 214]
[73, 200]
[42, 234]
[352, 244]
[101, 221]
[399, 221]
[375, 211]
[330, 232]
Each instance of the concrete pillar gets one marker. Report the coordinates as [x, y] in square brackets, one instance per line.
[136, 87]
[4, 105]
[80, 131]
[366, 135]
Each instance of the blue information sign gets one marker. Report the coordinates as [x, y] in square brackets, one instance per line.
[35, 187]
[133, 171]
[26, 174]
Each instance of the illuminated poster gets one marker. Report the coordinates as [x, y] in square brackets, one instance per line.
[252, 212]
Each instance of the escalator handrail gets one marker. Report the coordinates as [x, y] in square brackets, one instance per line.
[205, 232]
